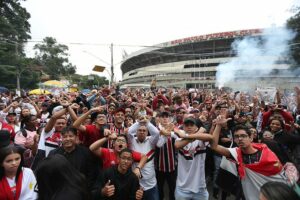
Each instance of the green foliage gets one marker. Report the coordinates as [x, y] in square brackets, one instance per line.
[29, 75]
[83, 82]
[14, 32]
[54, 58]
[294, 24]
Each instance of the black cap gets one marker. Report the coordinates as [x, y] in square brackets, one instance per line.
[195, 111]
[45, 104]
[11, 113]
[197, 122]
[4, 138]
[190, 120]
[164, 113]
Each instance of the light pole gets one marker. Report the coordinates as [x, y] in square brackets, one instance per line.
[112, 63]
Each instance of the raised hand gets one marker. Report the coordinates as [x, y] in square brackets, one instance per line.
[112, 136]
[221, 119]
[179, 133]
[98, 109]
[75, 106]
[297, 90]
[64, 103]
[107, 132]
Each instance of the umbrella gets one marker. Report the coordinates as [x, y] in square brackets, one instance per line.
[39, 91]
[54, 83]
[85, 91]
[3, 89]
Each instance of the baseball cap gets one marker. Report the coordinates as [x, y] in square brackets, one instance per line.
[164, 113]
[189, 120]
[45, 104]
[195, 111]
[195, 102]
[11, 113]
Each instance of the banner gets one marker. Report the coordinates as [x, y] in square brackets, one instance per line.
[267, 94]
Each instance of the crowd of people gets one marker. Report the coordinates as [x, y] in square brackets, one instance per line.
[126, 144]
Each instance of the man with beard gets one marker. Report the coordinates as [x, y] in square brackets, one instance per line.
[119, 182]
[79, 156]
[110, 156]
[179, 116]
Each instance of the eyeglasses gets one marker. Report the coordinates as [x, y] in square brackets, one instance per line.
[120, 140]
[100, 116]
[243, 136]
[189, 125]
[126, 159]
[142, 130]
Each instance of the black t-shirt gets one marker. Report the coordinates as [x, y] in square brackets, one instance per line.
[251, 158]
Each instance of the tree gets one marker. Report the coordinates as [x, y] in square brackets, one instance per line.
[54, 58]
[83, 81]
[294, 24]
[14, 32]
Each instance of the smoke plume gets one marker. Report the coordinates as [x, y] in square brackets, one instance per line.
[256, 58]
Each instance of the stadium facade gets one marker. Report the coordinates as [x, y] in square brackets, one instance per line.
[187, 63]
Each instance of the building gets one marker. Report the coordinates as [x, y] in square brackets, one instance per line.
[186, 63]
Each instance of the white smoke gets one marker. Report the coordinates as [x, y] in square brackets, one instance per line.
[255, 57]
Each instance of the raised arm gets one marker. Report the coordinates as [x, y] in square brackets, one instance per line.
[182, 143]
[199, 135]
[71, 111]
[216, 133]
[50, 124]
[96, 146]
[80, 120]
[154, 132]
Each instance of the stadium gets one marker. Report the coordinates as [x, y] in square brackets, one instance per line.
[189, 62]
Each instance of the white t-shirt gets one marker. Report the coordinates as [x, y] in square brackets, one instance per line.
[49, 141]
[28, 185]
[191, 167]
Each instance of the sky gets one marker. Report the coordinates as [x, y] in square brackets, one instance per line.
[88, 27]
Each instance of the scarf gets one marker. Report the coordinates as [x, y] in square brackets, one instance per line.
[268, 164]
[5, 191]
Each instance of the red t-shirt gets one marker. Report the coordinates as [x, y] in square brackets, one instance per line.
[9, 128]
[109, 158]
[92, 134]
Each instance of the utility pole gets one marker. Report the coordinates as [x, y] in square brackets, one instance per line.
[112, 63]
[18, 72]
